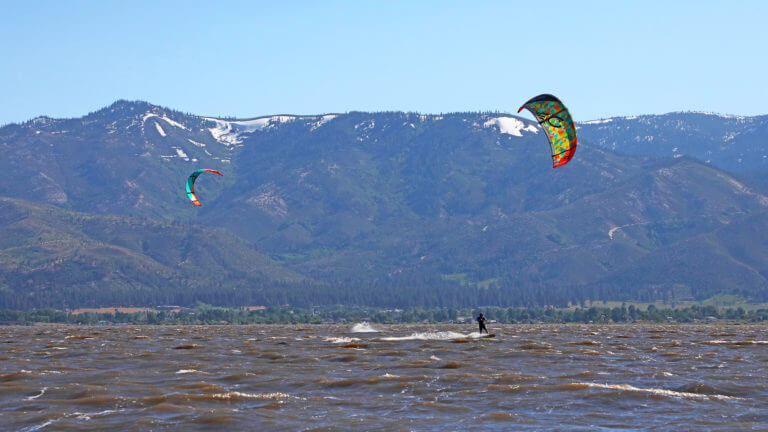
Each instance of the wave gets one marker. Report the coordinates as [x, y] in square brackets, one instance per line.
[656, 391]
[87, 416]
[38, 427]
[78, 337]
[736, 343]
[512, 377]
[381, 379]
[443, 335]
[239, 376]
[363, 327]
[530, 345]
[344, 340]
[42, 392]
[181, 400]
[78, 415]
[13, 376]
[451, 365]
[236, 396]
[584, 342]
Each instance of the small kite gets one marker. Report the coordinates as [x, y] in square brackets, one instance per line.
[557, 123]
[191, 184]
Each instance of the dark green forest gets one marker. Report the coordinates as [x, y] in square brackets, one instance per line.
[417, 292]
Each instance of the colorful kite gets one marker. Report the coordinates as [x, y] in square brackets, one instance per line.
[557, 123]
[191, 184]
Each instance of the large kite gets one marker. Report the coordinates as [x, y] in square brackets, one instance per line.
[557, 123]
[191, 184]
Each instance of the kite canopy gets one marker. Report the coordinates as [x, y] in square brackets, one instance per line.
[557, 123]
[191, 184]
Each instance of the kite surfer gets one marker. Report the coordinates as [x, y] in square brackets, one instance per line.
[481, 320]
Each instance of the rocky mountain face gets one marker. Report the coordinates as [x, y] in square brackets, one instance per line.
[650, 207]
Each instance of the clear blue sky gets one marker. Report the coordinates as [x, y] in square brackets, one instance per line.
[244, 59]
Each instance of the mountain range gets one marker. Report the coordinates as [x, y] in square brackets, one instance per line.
[379, 208]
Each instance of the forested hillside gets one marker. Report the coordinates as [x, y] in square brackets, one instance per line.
[382, 209]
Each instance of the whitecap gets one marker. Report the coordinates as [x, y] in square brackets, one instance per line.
[341, 339]
[745, 342]
[660, 392]
[42, 391]
[260, 396]
[38, 427]
[87, 416]
[363, 327]
[444, 335]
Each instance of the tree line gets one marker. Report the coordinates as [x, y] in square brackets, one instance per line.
[418, 291]
[207, 314]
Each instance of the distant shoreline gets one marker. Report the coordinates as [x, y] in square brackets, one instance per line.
[211, 315]
[733, 323]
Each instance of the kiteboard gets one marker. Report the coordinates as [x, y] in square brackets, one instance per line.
[492, 335]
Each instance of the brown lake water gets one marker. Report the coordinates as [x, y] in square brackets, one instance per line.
[399, 378]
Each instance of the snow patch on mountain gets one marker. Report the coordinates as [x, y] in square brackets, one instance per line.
[510, 126]
[646, 118]
[366, 125]
[261, 123]
[42, 121]
[165, 119]
[323, 120]
[229, 132]
[159, 129]
[714, 114]
[601, 121]
[224, 133]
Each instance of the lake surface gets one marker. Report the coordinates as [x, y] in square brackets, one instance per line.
[401, 377]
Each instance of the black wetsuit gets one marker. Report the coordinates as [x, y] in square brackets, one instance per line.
[481, 320]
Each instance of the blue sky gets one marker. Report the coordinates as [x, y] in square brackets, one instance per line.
[245, 59]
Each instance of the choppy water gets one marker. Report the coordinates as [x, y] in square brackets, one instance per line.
[404, 377]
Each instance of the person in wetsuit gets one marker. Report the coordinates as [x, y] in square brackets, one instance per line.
[481, 320]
